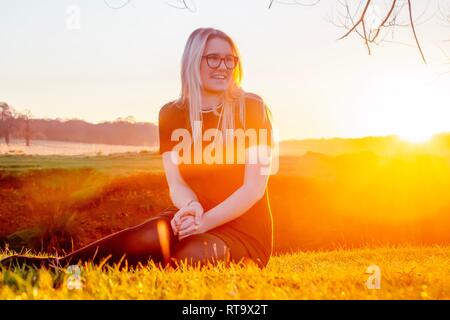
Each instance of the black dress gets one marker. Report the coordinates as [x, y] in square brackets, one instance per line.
[251, 234]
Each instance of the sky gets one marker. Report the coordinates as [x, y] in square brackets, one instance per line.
[84, 59]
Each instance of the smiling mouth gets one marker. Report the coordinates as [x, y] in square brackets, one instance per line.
[219, 77]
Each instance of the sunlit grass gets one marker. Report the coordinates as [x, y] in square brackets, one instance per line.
[318, 202]
[408, 272]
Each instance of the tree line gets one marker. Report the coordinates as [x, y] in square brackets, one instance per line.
[122, 131]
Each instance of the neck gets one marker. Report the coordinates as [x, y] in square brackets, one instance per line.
[210, 100]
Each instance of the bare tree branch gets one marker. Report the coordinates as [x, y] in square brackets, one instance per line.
[367, 23]
[295, 2]
[373, 23]
[365, 36]
[382, 24]
[414, 31]
[123, 4]
[183, 4]
[444, 12]
[361, 19]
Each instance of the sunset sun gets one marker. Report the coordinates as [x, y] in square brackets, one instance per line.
[416, 136]
[411, 105]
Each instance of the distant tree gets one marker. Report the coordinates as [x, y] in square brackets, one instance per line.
[130, 119]
[24, 120]
[6, 120]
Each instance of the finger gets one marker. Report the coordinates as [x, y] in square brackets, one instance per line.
[197, 217]
[176, 223]
[181, 213]
[185, 224]
[185, 218]
[188, 230]
[184, 236]
[178, 214]
[181, 238]
[174, 227]
[176, 218]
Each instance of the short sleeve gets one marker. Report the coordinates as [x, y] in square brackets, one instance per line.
[259, 117]
[170, 118]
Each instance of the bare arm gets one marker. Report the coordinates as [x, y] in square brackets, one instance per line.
[244, 197]
[180, 192]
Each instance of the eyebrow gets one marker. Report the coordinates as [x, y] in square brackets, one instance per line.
[228, 54]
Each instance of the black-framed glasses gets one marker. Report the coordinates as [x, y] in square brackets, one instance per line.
[214, 60]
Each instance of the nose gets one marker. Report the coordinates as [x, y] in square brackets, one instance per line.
[222, 62]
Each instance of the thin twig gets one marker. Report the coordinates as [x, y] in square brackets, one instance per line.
[384, 21]
[365, 36]
[358, 22]
[414, 31]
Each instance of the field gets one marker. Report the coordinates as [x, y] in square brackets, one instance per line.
[406, 273]
[334, 216]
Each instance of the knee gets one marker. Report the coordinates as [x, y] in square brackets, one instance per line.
[157, 229]
[165, 233]
[159, 223]
[198, 251]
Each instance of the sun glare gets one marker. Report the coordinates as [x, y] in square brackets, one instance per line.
[410, 104]
[416, 137]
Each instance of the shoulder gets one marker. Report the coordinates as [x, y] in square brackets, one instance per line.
[256, 107]
[170, 109]
[253, 99]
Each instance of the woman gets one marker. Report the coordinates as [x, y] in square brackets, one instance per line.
[220, 209]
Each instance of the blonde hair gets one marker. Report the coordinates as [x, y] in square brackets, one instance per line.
[190, 81]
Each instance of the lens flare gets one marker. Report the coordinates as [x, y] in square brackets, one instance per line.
[164, 239]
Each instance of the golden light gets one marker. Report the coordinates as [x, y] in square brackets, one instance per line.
[163, 230]
[416, 137]
[410, 104]
[419, 111]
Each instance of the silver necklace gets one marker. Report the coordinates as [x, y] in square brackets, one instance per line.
[212, 109]
[218, 121]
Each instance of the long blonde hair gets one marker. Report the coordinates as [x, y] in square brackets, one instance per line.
[190, 82]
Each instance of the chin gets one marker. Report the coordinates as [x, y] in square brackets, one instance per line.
[217, 89]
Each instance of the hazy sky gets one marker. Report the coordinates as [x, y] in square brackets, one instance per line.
[127, 61]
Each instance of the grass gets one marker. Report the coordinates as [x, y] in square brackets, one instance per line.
[407, 272]
[116, 164]
[320, 205]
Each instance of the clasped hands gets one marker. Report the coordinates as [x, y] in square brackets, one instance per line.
[188, 220]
